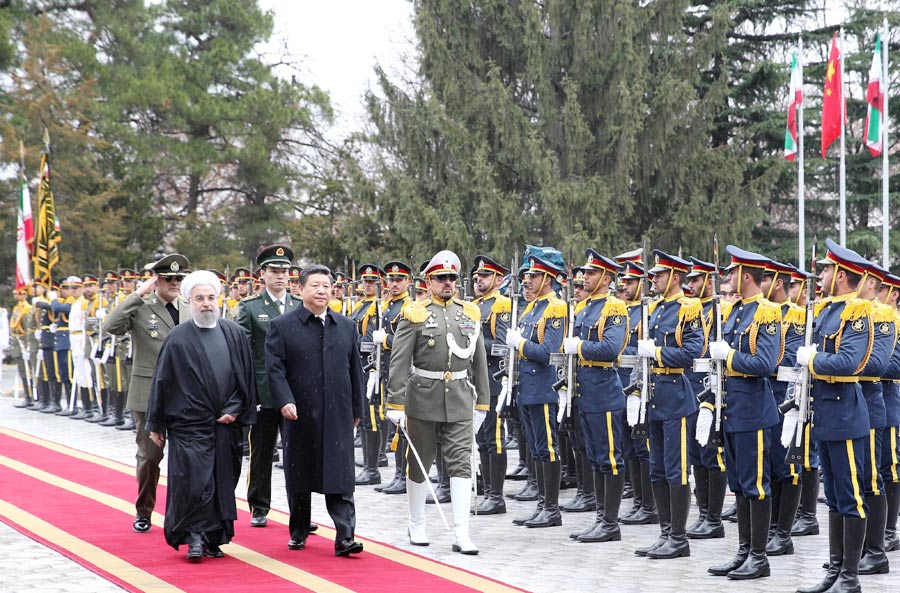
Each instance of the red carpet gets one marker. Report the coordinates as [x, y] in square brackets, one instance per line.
[81, 505]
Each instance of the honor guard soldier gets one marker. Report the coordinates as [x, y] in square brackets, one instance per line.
[94, 303]
[21, 337]
[676, 338]
[601, 330]
[842, 343]
[124, 350]
[398, 276]
[495, 318]
[751, 347]
[339, 302]
[890, 473]
[223, 290]
[48, 394]
[707, 463]
[421, 289]
[539, 334]
[244, 278]
[874, 560]
[254, 315]
[635, 450]
[148, 314]
[105, 351]
[294, 281]
[60, 309]
[439, 385]
[784, 477]
[366, 317]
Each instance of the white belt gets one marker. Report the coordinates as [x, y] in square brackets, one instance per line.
[445, 376]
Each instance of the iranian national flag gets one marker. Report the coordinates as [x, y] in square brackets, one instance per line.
[875, 99]
[24, 235]
[795, 98]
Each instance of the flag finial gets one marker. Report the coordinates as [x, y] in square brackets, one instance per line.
[46, 140]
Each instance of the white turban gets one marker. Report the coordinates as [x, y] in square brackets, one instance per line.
[196, 279]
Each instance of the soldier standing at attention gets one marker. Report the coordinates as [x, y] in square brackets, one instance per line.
[842, 344]
[677, 337]
[254, 315]
[446, 392]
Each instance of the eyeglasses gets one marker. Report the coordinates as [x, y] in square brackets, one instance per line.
[172, 278]
[446, 277]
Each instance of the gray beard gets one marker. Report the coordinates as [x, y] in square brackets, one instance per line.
[206, 320]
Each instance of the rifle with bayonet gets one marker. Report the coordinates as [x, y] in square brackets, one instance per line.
[640, 430]
[799, 378]
[714, 382]
[507, 372]
[565, 363]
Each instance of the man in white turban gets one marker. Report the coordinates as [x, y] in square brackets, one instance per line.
[203, 393]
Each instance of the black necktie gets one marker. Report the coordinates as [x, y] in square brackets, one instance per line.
[173, 312]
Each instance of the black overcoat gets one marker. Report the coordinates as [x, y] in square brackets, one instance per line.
[317, 367]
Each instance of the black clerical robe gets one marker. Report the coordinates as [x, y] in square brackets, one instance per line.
[204, 455]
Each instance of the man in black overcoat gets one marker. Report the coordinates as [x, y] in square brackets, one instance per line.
[316, 381]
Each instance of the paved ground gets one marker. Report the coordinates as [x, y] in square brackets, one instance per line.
[541, 560]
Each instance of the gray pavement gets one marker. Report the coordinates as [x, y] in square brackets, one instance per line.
[538, 560]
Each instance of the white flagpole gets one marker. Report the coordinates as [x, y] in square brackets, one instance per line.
[801, 194]
[842, 171]
[885, 174]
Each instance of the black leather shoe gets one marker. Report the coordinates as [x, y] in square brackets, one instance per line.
[296, 544]
[313, 527]
[345, 547]
[258, 521]
[398, 487]
[213, 551]
[195, 549]
[141, 524]
[368, 477]
[128, 424]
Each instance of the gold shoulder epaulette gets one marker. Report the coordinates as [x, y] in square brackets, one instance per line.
[767, 312]
[416, 312]
[502, 304]
[652, 306]
[471, 310]
[613, 307]
[817, 308]
[556, 309]
[581, 305]
[691, 308]
[856, 308]
[726, 310]
[335, 305]
[795, 315]
[882, 313]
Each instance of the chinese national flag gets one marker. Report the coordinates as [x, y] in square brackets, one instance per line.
[832, 98]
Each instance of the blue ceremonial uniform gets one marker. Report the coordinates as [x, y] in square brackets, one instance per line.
[495, 319]
[705, 457]
[633, 448]
[542, 326]
[602, 325]
[364, 315]
[753, 330]
[884, 334]
[890, 451]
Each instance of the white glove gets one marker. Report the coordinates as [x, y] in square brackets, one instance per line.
[719, 350]
[504, 394]
[398, 417]
[378, 336]
[704, 425]
[789, 428]
[38, 333]
[26, 355]
[564, 403]
[570, 345]
[371, 384]
[53, 328]
[804, 353]
[52, 296]
[107, 354]
[646, 348]
[513, 338]
[477, 419]
[632, 410]
[101, 314]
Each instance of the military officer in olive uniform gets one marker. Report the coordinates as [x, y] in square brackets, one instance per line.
[149, 313]
[439, 385]
[21, 336]
[254, 315]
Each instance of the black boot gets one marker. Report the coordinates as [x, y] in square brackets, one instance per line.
[636, 484]
[892, 493]
[628, 488]
[521, 471]
[370, 474]
[664, 509]
[398, 486]
[485, 483]
[875, 561]
[550, 515]
[102, 411]
[494, 504]
[757, 564]
[127, 418]
[646, 514]
[530, 490]
[854, 538]
[781, 543]
[25, 403]
[608, 528]
[398, 453]
[676, 545]
[807, 523]
[701, 492]
[835, 554]
[712, 527]
[730, 514]
[538, 475]
[87, 406]
[579, 483]
[115, 417]
[442, 489]
[55, 398]
[742, 506]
